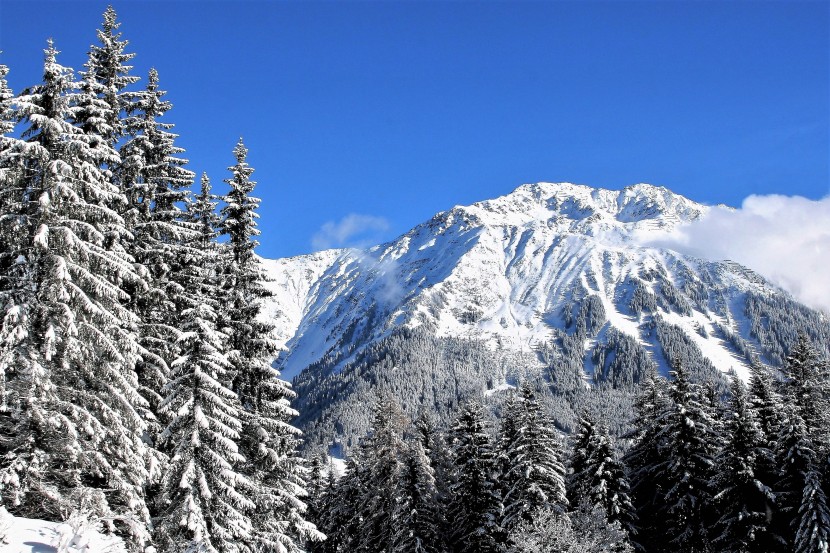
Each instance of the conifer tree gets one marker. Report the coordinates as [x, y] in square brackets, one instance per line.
[507, 437]
[73, 422]
[742, 499]
[416, 524]
[269, 441]
[807, 388]
[537, 473]
[440, 460]
[205, 505]
[155, 182]
[644, 460]
[796, 460]
[766, 405]
[597, 477]
[11, 188]
[687, 446]
[813, 532]
[475, 506]
[342, 518]
[382, 471]
[107, 78]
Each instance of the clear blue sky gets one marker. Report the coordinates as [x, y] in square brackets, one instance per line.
[403, 109]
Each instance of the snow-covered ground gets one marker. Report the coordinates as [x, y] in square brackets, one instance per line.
[25, 535]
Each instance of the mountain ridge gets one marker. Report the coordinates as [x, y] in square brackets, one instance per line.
[553, 281]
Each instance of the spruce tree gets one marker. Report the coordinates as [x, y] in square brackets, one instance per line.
[107, 78]
[474, 511]
[205, 505]
[597, 477]
[440, 460]
[269, 441]
[73, 422]
[813, 532]
[796, 460]
[688, 452]
[537, 473]
[644, 460]
[416, 527]
[807, 388]
[742, 498]
[155, 182]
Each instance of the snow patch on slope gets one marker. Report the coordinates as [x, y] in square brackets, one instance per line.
[25, 535]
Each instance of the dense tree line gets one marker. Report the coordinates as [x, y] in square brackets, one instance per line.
[700, 472]
[135, 374]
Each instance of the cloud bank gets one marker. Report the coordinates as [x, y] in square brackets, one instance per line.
[784, 238]
[352, 231]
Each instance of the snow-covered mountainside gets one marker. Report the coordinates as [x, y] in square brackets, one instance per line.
[556, 268]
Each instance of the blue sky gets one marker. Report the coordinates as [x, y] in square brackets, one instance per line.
[372, 116]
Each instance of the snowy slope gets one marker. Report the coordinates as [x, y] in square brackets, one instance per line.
[24, 535]
[508, 272]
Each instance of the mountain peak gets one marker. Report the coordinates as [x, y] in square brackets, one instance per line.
[581, 208]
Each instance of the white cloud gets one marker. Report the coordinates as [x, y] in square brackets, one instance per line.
[353, 231]
[784, 238]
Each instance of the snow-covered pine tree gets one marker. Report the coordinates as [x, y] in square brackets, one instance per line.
[438, 453]
[808, 387]
[416, 523]
[583, 444]
[383, 452]
[644, 459]
[341, 519]
[74, 407]
[204, 504]
[507, 436]
[537, 472]
[597, 477]
[813, 532]
[475, 507]
[269, 441]
[743, 501]
[765, 403]
[686, 471]
[316, 485]
[155, 182]
[107, 77]
[795, 460]
[11, 192]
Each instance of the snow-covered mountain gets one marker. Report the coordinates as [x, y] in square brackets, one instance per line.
[522, 272]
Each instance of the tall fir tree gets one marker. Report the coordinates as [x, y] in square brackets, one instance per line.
[269, 440]
[813, 532]
[440, 460]
[155, 182]
[73, 426]
[476, 506]
[205, 505]
[796, 460]
[644, 459]
[688, 455]
[597, 476]
[537, 474]
[744, 501]
[416, 520]
[807, 386]
[107, 77]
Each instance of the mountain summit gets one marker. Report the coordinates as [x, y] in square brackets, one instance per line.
[553, 277]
